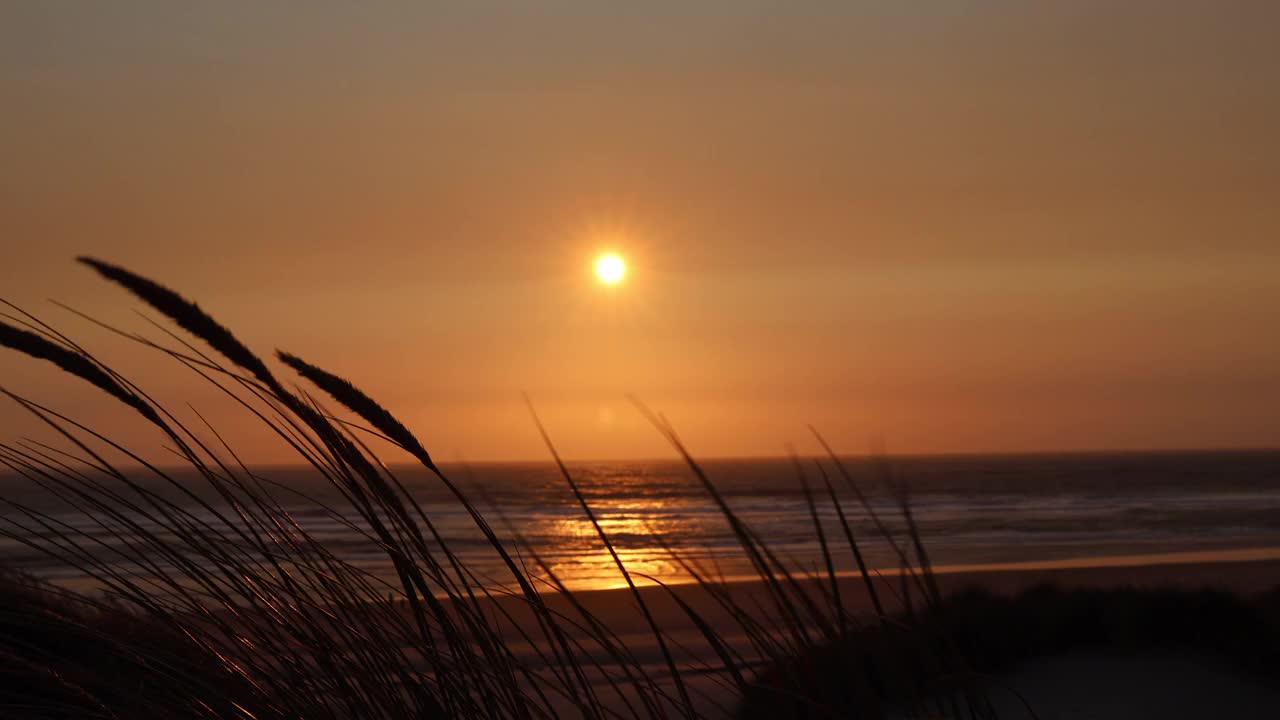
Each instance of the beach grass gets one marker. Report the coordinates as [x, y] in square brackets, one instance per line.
[231, 609]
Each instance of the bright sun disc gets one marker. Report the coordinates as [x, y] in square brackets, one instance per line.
[610, 268]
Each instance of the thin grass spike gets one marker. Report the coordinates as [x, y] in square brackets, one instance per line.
[186, 314]
[354, 399]
[72, 362]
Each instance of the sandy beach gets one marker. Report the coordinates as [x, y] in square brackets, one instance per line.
[617, 609]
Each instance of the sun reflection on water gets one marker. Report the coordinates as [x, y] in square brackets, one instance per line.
[632, 527]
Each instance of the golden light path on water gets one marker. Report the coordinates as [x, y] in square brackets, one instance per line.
[596, 569]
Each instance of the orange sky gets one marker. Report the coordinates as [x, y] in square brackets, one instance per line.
[961, 226]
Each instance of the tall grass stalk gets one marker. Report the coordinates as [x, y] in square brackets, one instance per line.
[238, 611]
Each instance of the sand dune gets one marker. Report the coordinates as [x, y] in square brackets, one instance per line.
[1077, 686]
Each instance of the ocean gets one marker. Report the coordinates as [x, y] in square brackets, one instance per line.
[970, 510]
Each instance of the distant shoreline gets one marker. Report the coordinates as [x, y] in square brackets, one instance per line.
[1227, 556]
[1226, 569]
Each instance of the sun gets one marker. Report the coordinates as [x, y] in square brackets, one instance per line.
[610, 268]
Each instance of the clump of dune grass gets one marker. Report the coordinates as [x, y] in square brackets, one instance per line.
[70, 656]
[895, 663]
[231, 609]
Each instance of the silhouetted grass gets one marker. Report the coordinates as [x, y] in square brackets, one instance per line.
[233, 610]
[67, 656]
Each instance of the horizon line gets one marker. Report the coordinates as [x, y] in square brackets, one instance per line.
[1082, 452]
[1197, 450]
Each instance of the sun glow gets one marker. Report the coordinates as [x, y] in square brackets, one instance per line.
[610, 268]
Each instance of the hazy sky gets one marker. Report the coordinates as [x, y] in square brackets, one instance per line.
[962, 226]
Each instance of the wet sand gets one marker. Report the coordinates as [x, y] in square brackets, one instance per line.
[617, 609]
